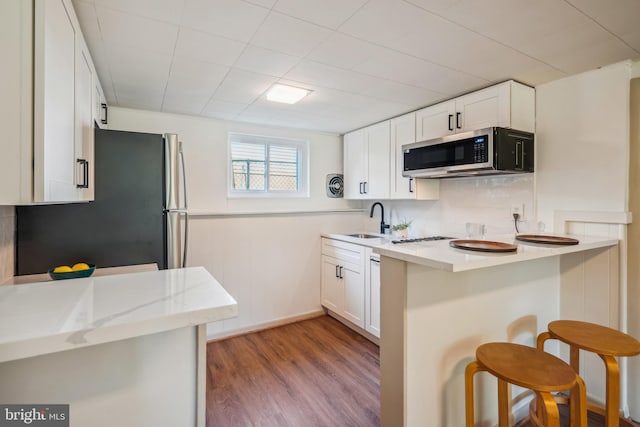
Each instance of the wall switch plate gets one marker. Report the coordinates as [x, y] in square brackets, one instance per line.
[518, 209]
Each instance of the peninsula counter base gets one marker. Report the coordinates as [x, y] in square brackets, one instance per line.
[432, 321]
[152, 380]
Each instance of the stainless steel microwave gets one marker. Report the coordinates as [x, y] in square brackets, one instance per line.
[488, 151]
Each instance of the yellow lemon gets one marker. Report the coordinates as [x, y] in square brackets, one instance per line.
[80, 266]
[62, 269]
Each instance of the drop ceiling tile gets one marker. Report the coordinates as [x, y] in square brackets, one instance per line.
[400, 93]
[538, 76]
[328, 13]
[551, 31]
[161, 10]
[136, 72]
[619, 17]
[264, 3]
[289, 119]
[243, 86]
[333, 97]
[207, 47]
[402, 68]
[289, 35]
[306, 106]
[265, 61]
[140, 99]
[327, 76]
[234, 19]
[221, 109]
[143, 33]
[384, 21]
[191, 85]
[579, 49]
[343, 51]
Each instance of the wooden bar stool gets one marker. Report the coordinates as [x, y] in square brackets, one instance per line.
[530, 368]
[607, 343]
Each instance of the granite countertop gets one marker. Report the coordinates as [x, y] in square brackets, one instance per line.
[42, 318]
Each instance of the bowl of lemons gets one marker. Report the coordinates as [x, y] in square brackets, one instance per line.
[76, 271]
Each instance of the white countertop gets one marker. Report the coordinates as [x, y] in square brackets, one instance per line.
[42, 318]
[438, 254]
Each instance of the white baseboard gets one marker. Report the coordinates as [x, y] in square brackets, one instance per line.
[265, 325]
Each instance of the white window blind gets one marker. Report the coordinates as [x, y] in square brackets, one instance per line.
[263, 165]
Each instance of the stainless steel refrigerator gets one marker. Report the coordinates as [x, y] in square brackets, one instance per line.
[139, 215]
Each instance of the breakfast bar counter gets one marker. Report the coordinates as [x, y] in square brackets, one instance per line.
[123, 350]
[438, 304]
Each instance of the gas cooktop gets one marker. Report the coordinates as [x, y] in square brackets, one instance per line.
[422, 239]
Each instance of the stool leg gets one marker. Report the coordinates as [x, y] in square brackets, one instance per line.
[613, 391]
[578, 404]
[552, 416]
[503, 403]
[542, 338]
[574, 358]
[469, 372]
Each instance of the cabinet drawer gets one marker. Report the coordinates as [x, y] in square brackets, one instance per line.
[344, 252]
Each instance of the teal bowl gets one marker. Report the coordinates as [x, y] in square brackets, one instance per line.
[73, 274]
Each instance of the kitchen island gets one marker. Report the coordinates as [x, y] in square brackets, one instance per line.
[126, 350]
[438, 304]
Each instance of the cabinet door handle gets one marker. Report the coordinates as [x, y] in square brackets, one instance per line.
[458, 121]
[375, 260]
[365, 187]
[361, 187]
[337, 271]
[341, 273]
[410, 185]
[85, 173]
[106, 114]
[450, 122]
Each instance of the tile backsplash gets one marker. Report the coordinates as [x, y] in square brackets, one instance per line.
[486, 200]
[7, 242]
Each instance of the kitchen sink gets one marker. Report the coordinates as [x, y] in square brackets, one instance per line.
[363, 236]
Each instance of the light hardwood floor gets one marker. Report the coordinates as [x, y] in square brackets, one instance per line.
[311, 373]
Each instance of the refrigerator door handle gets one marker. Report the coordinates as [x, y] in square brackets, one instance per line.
[186, 239]
[184, 177]
[184, 200]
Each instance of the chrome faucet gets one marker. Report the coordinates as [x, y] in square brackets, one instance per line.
[383, 226]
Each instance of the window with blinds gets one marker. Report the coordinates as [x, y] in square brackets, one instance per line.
[261, 165]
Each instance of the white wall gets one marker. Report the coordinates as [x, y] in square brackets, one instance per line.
[582, 142]
[205, 146]
[7, 237]
[487, 200]
[269, 262]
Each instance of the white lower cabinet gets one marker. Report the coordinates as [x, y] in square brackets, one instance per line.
[351, 284]
[372, 294]
[343, 280]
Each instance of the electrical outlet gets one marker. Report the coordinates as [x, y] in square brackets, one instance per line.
[518, 209]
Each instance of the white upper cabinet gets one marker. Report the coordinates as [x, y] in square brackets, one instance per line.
[100, 107]
[355, 164]
[377, 183]
[366, 163]
[403, 131]
[84, 143]
[435, 121]
[49, 80]
[509, 104]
